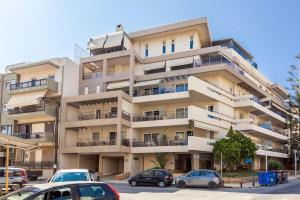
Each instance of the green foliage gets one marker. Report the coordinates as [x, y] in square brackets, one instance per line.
[161, 160]
[274, 166]
[234, 149]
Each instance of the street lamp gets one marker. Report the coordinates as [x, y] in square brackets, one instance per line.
[43, 100]
[295, 158]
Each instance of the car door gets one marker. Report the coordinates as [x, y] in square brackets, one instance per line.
[58, 193]
[93, 192]
[157, 175]
[192, 178]
[146, 178]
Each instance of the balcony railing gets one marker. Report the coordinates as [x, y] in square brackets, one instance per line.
[38, 135]
[126, 116]
[105, 142]
[28, 84]
[162, 90]
[95, 115]
[162, 116]
[29, 109]
[154, 143]
[92, 75]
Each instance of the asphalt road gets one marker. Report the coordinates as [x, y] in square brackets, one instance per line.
[288, 191]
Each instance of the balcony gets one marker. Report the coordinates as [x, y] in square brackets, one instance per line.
[160, 119]
[192, 143]
[33, 85]
[280, 153]
[161, 93]
[259, 128]
[93, 115]
[32, 113]
[251, 101]
[106, 142]
[35, 137]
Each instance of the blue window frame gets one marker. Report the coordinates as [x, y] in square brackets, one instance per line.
[173, 46]
[164, 48]
[191, 42]
[147, 50]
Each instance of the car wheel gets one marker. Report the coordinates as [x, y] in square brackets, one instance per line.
[212, 185]
[133, 183]
[161, 184]
[181, 184]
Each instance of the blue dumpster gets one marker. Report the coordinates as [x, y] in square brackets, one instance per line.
[267, 178]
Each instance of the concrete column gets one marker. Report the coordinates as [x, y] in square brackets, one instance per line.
[119, 117]
[131, 72]
[100, 165]
[103, 85]
[195, 161]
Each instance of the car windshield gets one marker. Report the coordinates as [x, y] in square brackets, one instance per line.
[18, 195]
[70, 176]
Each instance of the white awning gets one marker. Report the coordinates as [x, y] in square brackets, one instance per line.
[117, 85]
[25, 99]
[97, 43]
[151, 66]
[181, 61]
[145, 83]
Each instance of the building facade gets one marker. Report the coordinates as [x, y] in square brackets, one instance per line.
[27, 123]
[168, 89]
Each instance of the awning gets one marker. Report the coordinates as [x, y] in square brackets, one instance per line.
[117, 85]
[181, 61]
[25, 99]
[97, 42]
[145, 83]
[151, 66]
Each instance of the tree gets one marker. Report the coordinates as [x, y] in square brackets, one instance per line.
[294, 108]
[235, 148]
[161, 160]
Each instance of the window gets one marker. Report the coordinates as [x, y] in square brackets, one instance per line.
[164, 47]
[151, 137]
[70, 176]
[7, 85]
[19, 195]
[146, 50]
[157, 173]
[86, 90]
[4, 108]
[210, 108]
[91, 192]
[181, 113]
[194, 173]
[147, 173]
[173, 46]
[182, 87]
[56, 194]
[96, 137]
[180, 135]
[6, 129]
[191, 42]
[211, 135]
[98, 89]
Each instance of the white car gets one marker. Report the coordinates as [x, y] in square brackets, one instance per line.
[74, 175]
[15, 176]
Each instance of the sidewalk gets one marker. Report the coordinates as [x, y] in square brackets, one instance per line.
[227, 185]
[249, 184]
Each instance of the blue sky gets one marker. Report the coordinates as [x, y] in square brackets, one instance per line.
[33, 29]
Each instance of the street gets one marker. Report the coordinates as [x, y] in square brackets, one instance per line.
[288, 191]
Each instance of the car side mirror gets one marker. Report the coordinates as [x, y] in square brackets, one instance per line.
[98, 178]
[48, 180]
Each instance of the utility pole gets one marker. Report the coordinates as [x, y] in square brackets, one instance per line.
[221, 165]
[43, 100]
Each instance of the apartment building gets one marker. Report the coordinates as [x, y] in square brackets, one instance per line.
[168, 89]
[28, 123]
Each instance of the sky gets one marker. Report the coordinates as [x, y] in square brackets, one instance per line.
[34, 30]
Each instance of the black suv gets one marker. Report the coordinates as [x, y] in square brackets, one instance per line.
[158, 177]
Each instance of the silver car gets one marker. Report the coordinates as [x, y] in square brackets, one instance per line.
[209, 178]
[15, 176]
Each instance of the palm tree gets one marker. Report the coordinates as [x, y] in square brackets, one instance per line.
[161, 160]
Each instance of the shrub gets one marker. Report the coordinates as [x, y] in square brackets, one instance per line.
[275, 166]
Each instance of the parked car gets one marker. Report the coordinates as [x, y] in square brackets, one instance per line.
[74, 175]
[15, 176]
[205, 177]
[157, 177]
[65, 190]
